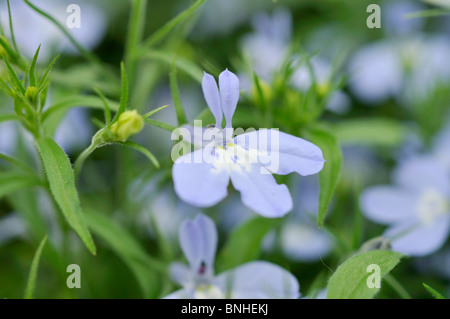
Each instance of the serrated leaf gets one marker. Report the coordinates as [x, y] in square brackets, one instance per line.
[29, 290]
[244, 243]
[329, 176]
[62, 185]
[350, 279]
[129, 250]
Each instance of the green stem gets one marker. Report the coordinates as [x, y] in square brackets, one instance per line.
[135, 33]
[82, 158]
[398, 288]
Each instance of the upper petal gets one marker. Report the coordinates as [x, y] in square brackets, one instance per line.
[283, 153]
[212, 97]
[229, 94]
[260, 192]
[198, 182]
[259, 280]
[198, 239]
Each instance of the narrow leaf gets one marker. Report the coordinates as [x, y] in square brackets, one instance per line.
[124, 94]
[29, 291]
[128, 249]
[433, 292]
[62, 185]
[143, 150]
[153, 112]
[329, 176]
[181, 117]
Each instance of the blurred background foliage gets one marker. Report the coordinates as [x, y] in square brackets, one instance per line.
[130, 205]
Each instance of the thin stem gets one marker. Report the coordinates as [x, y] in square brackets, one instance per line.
[82, 158]
[135, 32]
[398, 288]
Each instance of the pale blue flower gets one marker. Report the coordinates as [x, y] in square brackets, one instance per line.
[416, 207]
[32, 29]
[253, 280]
[201, 178]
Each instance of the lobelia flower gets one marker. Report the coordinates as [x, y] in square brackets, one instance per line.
[416, 208]
[201, 178]
[253, 280]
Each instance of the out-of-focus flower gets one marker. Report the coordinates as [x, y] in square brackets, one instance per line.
[8, 134]
[32, 29]
[258, 279]
[201, 178]
[416, 207]
[406, 65]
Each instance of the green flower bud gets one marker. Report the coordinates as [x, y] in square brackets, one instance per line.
[129, 123]
[31, 94]
[323, 89]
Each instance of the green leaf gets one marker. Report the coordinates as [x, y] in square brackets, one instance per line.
[105, 105]
[159, 124]
[20, 164]
[373, 132]
[78, 100]
[15, 81]
[43, 80]
[153, 112]
[181, 63]
[143, 150]
[31, 69]
[433, 292]
[329, 176]
[169, 26]
[8, 117]
[350, 279]
[129, 250]
[244, 244]
[11, 182]
[181, 117]
[29, 291]
[123, 95]
[62, 185]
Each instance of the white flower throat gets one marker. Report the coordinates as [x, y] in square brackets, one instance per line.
[432, 205]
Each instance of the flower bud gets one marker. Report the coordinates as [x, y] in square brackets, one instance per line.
[31, 94]
[129, 123]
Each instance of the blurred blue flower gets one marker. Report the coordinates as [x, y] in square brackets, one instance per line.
[416, 207]
[255, 280]
[32, 29]
[201, 178]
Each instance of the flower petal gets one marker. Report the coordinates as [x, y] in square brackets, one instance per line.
[423, 173]
[198, 240]
[388, 204]
[180, 273]
[198, 182]
[212, 97]
[260, 192]
[419, 239]
[306, 243]
[179, 294]
[283, 153]
[259, 280]
[229, 94]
